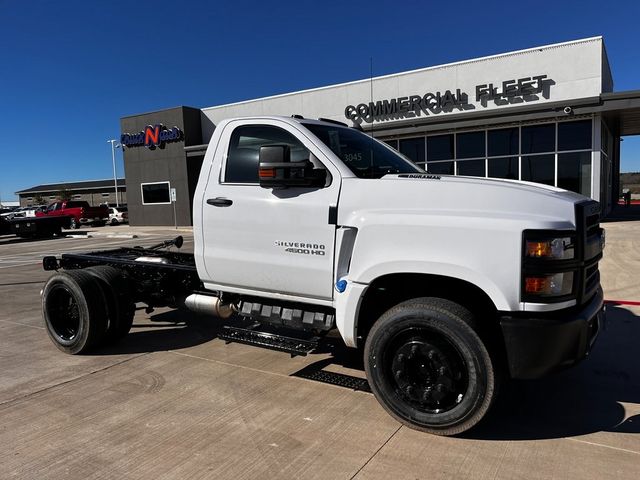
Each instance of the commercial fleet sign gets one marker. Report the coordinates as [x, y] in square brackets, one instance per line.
[152, 136]
[508, 92]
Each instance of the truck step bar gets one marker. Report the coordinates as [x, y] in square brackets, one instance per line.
[272, 341]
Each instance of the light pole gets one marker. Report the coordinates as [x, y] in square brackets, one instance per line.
[114, 145]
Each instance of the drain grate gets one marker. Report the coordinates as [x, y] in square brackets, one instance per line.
[339, 379]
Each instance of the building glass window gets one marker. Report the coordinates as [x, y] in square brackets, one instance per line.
[155, 193]
[502, 142]
[539, 138]
[440, 147]
[440, 168]
[530, 152]
[470, 145]
[574, 135]
[607, 196]
[503, 167]
[392, 143]
[539, 169]
[413, 149]
[472, 168]
[574, 172]
[606, 140]
[244, 150]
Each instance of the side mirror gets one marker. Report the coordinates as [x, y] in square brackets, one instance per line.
[276, 170]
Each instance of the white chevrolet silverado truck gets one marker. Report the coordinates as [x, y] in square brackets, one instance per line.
[447, 284]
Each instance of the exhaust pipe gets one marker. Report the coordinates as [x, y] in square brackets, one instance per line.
[208, 304]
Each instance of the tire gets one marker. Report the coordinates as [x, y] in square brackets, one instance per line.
[120, 307]
[74, 224]
[114, 221]
[428, 368]
[73, 307]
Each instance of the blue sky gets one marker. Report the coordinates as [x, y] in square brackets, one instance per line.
[70, 69]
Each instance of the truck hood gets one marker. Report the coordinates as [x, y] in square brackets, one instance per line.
[536, 205]
[465, 228]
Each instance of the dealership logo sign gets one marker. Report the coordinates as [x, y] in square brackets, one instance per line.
[152, 136]
[508, 92]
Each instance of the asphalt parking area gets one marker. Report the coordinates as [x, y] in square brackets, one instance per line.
[173, 401]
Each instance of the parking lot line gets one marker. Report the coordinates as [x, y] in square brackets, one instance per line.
[603, 445]
[22, 324]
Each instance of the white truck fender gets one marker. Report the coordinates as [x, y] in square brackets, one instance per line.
[347, 303]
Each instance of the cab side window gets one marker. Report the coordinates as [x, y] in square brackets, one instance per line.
[244, 149]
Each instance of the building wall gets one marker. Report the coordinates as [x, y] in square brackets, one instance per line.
[145, 165]
[576, 69]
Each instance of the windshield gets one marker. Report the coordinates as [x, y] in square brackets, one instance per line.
[363, 155]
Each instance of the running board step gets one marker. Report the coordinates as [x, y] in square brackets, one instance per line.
[294, 346]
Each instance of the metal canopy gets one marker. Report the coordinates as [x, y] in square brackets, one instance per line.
[622, 109]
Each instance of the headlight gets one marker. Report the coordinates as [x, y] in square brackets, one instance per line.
[561, 248]
[549, 266]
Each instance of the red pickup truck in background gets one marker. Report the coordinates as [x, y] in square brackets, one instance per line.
[80, 213]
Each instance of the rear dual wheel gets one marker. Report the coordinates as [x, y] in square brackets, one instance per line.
[428, 367]
[73, 307]
[120, 307]
[83, 309]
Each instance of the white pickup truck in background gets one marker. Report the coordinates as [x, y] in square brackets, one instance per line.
[448, 284]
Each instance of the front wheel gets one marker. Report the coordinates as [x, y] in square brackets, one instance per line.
[428, 367]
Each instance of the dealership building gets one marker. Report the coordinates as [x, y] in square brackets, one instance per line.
[547, 114]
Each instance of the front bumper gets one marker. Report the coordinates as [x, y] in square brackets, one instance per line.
[540, 343]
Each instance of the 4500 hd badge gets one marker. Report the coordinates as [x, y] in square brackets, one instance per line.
[301, 247]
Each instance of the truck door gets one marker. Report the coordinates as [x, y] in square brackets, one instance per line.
[264, 239]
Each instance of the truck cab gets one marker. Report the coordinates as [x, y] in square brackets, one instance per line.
[318, 213]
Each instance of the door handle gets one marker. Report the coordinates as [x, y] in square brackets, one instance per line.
[220, 202]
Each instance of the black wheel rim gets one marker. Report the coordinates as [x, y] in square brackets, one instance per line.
[63, 313]
[426, 370]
